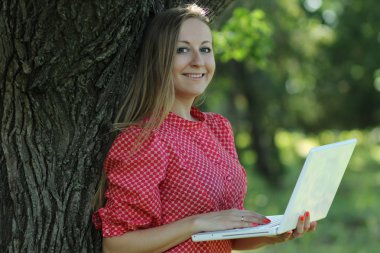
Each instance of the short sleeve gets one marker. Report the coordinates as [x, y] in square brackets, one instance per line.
[134, 174]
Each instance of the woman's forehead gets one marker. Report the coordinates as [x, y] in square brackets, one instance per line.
[194, 29]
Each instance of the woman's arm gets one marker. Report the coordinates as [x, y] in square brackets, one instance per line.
[159, 239]
[151, 240]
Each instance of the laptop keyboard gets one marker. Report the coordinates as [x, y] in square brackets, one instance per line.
[275, 221]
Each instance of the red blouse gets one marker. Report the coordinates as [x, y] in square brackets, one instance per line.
[182, 169]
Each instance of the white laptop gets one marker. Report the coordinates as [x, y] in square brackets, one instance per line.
[315, 190]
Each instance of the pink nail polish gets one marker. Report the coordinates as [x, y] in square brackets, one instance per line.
[302, 218]
[266, 221]
[307, 214]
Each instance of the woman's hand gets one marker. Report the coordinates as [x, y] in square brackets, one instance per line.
[228, 219]
[303, 226]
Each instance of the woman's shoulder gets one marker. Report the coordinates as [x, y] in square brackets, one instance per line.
[129, 132]
[219, 125]
[127, 135]
[217, 119]
[134, 138]
[135, 131]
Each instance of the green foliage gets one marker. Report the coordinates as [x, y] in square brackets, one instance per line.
[246, 35]
[307, 54]
[349, 79]
[309, 74]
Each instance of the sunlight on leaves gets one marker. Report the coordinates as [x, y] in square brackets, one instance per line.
[243, 140]
[303, 146]
[246, 35]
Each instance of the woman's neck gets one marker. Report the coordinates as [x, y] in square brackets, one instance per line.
[183, 110]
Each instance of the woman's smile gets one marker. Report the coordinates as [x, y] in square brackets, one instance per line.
[194, 76]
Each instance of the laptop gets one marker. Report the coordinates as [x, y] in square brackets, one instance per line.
[315, 190]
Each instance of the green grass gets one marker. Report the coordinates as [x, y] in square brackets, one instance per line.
[353, 222]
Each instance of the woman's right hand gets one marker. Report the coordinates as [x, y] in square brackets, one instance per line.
[228, 219]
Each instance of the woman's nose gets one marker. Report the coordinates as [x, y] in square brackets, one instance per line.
[197, 59]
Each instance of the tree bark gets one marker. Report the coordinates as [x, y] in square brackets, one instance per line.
[64, 68]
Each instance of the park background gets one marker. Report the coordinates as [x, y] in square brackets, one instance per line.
[291, 74]
[296, 74]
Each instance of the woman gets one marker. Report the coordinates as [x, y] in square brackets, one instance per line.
[173, 170]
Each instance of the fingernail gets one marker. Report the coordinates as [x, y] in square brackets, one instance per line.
[266, 221]
[302, 218]
[307, 214]
[254, 224]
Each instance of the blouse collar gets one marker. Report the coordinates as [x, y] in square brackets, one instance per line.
[179, 121]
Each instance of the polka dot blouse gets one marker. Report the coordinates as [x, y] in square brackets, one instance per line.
[183, 168]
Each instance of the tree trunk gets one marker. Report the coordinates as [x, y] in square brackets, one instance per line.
[262, 132]
[64, 67]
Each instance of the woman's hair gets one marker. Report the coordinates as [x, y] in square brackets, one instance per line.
[151, 94]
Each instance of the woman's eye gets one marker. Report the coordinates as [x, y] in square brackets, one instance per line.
[182, 50]
[205, 50]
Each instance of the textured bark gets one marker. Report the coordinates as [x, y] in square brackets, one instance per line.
[64, 67]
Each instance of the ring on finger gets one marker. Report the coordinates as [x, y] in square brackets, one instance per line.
[242, 218]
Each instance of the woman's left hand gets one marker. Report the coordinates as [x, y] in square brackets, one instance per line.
[303, 226]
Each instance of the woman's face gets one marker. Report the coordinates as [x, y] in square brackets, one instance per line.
[194, 63]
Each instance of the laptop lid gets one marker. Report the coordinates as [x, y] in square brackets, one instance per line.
[317, 183]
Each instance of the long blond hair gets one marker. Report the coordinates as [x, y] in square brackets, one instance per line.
[151, 92]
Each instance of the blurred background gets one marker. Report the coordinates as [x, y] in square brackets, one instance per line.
[292, 75]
